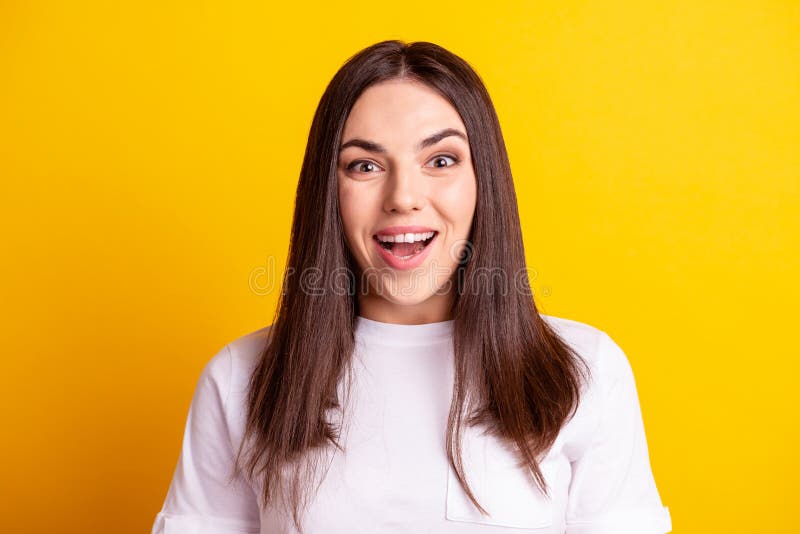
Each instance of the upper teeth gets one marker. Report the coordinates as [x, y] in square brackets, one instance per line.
[405, 238]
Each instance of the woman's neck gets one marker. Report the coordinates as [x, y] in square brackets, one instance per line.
[435, 309]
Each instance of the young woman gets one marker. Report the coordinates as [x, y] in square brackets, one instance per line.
[407, 382]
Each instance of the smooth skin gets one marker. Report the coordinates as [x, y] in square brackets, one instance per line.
[405, 184]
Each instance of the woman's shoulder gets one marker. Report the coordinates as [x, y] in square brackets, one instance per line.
[583, 337]
[245, 352]
[231, 366]
[246, 349]
[222, 390]
[607, 364]
[571, 327]
[606, 359]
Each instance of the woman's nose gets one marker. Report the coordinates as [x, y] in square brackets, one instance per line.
[405, 191]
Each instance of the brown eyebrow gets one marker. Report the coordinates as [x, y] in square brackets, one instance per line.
[371, 146]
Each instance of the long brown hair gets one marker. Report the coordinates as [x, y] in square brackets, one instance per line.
[523, 381]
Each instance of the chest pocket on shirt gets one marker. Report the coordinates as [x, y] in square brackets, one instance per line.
[506, 492]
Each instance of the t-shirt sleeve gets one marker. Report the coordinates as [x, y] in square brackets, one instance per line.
[613, 490]
[203, 497]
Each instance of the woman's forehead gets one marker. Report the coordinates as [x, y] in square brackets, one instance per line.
[400, 114]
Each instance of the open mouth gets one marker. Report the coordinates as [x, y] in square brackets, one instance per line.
[406, 251]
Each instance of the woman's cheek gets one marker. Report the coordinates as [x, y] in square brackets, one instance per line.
[354, 220]
[457, 201]
[347, 207]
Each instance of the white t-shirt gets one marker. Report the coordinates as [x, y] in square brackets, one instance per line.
[395, 477]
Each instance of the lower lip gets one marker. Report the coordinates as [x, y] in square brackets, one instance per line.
[399, 263]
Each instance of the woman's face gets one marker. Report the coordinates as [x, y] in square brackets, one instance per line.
[407, 194]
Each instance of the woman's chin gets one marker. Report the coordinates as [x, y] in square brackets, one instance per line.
[409, 297]
[406, 288]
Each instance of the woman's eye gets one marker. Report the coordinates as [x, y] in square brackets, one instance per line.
[367, 167]
[442, 157]
[361, 165]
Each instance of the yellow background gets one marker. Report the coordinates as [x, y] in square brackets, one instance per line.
[149, 153]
